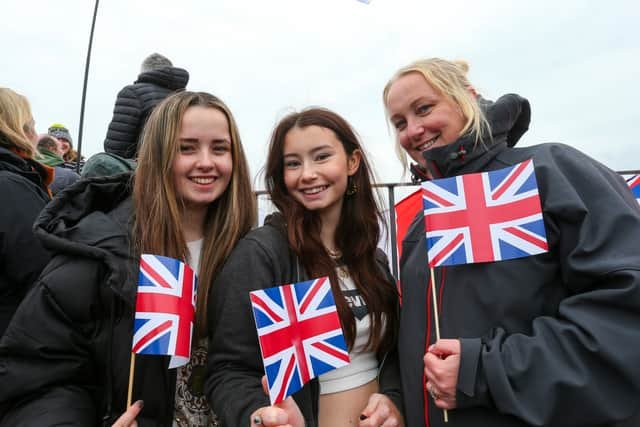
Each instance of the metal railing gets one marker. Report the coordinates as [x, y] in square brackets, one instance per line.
[391, 213]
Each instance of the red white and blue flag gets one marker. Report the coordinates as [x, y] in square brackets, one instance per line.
[633, 181]
[484, 217]
[165, 309]
[300, 334]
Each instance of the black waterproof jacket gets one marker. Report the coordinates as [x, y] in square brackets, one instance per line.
[23, 194]
[262, 259]
[547, 340]
[135, 102]
[64, 359]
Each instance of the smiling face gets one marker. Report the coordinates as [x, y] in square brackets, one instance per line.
[316, 169]
[422, 117]
[203, 166]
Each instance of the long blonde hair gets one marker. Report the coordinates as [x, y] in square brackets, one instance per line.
[16, 123]
[158, 210]
[448, 78]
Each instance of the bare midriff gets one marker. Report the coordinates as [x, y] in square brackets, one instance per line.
[344, 408]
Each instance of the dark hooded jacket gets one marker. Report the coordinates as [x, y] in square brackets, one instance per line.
[546, 340]
[262, 259]
[134, 104]
[64, 359]
[23, 194]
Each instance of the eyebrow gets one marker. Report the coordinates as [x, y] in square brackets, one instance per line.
[196, 140]
[313, 151]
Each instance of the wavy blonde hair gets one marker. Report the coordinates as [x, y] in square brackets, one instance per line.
[158, 209]
[448, 78]
[16, 123]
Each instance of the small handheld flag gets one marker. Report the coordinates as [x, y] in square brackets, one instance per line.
[633, 181]
[484, 217]
[300, 334]
[165, 309]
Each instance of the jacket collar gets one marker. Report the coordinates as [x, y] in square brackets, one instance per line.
[508, 118]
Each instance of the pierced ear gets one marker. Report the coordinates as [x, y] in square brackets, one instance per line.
[353, 162]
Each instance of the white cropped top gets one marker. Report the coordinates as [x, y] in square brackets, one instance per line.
[363, 367]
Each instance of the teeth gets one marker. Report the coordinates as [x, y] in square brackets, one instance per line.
[428, 144]
[314, 190]
[202, 180]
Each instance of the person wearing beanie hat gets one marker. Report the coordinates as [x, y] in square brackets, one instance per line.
[158, 79]
[63, 135]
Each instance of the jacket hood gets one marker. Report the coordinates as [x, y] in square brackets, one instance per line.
[508, 117]
[35, 172]
[172, 78]
[90, 219]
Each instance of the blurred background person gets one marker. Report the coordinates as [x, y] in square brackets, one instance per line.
[158, 79]
[23, 191]
[50, 154]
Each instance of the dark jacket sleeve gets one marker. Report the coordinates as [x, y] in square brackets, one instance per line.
[46, 363]
[389, 372]
[234, 364]
[122, 134]
[582, 361]
[22, 257]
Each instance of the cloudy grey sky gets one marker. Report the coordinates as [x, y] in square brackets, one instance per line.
[578, 62]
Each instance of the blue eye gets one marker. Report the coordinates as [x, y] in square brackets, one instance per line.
[400, 124]
[424, 108]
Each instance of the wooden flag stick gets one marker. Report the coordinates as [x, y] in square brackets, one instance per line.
[437, 323]
[131, 369]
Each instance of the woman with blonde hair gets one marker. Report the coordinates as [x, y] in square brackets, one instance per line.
[23, 192]
[67, 354]
[548, 339]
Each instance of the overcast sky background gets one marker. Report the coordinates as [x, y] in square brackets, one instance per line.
[578, 62]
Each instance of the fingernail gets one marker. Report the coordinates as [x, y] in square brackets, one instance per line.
[363, 417]
[140, 403]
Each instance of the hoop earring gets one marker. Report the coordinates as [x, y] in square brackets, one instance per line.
[352, 187]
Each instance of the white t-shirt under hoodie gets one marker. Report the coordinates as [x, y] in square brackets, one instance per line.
[363, 367]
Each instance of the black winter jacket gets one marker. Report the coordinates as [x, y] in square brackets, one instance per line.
[135, 102]
[64, 359]
[261, 259]
[23, 194]
[546, 340]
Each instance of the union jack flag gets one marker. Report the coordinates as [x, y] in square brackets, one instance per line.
[300, 334]
[165, 308]
[634, 184]
[484, 217]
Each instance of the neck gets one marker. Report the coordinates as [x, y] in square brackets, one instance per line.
[193, 224]
[328, 229]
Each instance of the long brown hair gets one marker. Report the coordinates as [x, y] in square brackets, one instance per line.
[158, 209]
[357, 233]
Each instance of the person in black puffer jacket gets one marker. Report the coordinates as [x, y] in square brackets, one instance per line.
[23, 192]
[134, 103]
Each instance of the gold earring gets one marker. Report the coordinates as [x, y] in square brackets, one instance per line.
[353, 187]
